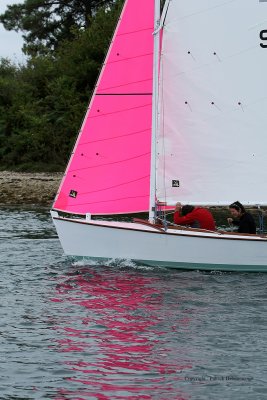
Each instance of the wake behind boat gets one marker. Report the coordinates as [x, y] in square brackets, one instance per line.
[182, 118]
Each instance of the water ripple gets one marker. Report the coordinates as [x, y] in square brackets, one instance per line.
[74, 329]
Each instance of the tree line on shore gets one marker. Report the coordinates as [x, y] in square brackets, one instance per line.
[43, 101]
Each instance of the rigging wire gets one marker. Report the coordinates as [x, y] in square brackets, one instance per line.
[161, 211]
[261, 219]
[204, 10]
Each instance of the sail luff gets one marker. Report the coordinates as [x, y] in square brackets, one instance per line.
[152, 199]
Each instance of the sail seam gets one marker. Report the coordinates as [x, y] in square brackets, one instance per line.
[107, 201]
[123, 94]
[116, 137]
[115, 186]
[128, 58]
[125, 84]
[131, 32]
[120, 111]
[111, 163]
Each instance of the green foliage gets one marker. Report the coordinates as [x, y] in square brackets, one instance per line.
[46, 23]
[42, 103]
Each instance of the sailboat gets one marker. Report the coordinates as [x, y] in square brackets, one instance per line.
[178, 114]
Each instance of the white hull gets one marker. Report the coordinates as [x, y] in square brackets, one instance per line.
[185, 249]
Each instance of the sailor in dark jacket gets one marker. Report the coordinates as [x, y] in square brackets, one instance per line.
[241, 218]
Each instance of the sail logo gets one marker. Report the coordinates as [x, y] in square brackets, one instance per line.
[73, 194]
[175, 183]
[263, 36]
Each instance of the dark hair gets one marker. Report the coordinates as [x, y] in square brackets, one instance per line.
[238, 206]
[186, 209]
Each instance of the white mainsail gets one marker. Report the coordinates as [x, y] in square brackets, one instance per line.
[213, 103]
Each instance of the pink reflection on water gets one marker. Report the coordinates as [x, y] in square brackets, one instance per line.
[116, 341]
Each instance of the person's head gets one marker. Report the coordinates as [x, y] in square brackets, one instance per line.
[236, 209]
[187, 209]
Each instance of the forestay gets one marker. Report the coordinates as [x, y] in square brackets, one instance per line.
[213, 103]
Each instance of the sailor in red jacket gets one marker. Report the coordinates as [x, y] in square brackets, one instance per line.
[195, 217]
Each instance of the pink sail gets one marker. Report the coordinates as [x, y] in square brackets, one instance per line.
[109, 170]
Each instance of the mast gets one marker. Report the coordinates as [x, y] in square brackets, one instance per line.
[152, 202]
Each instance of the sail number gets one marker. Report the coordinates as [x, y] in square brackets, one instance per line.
[263, 36]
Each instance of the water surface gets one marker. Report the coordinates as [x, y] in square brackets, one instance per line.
[75, 330]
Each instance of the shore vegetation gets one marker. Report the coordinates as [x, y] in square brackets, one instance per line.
[43, 101]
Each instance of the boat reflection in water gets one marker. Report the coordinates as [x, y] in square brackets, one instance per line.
[120, 341]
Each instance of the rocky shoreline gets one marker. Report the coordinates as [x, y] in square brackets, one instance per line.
[28, 188]
[21, 188]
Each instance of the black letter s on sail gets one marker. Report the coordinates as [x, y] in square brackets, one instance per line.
[263, 36]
